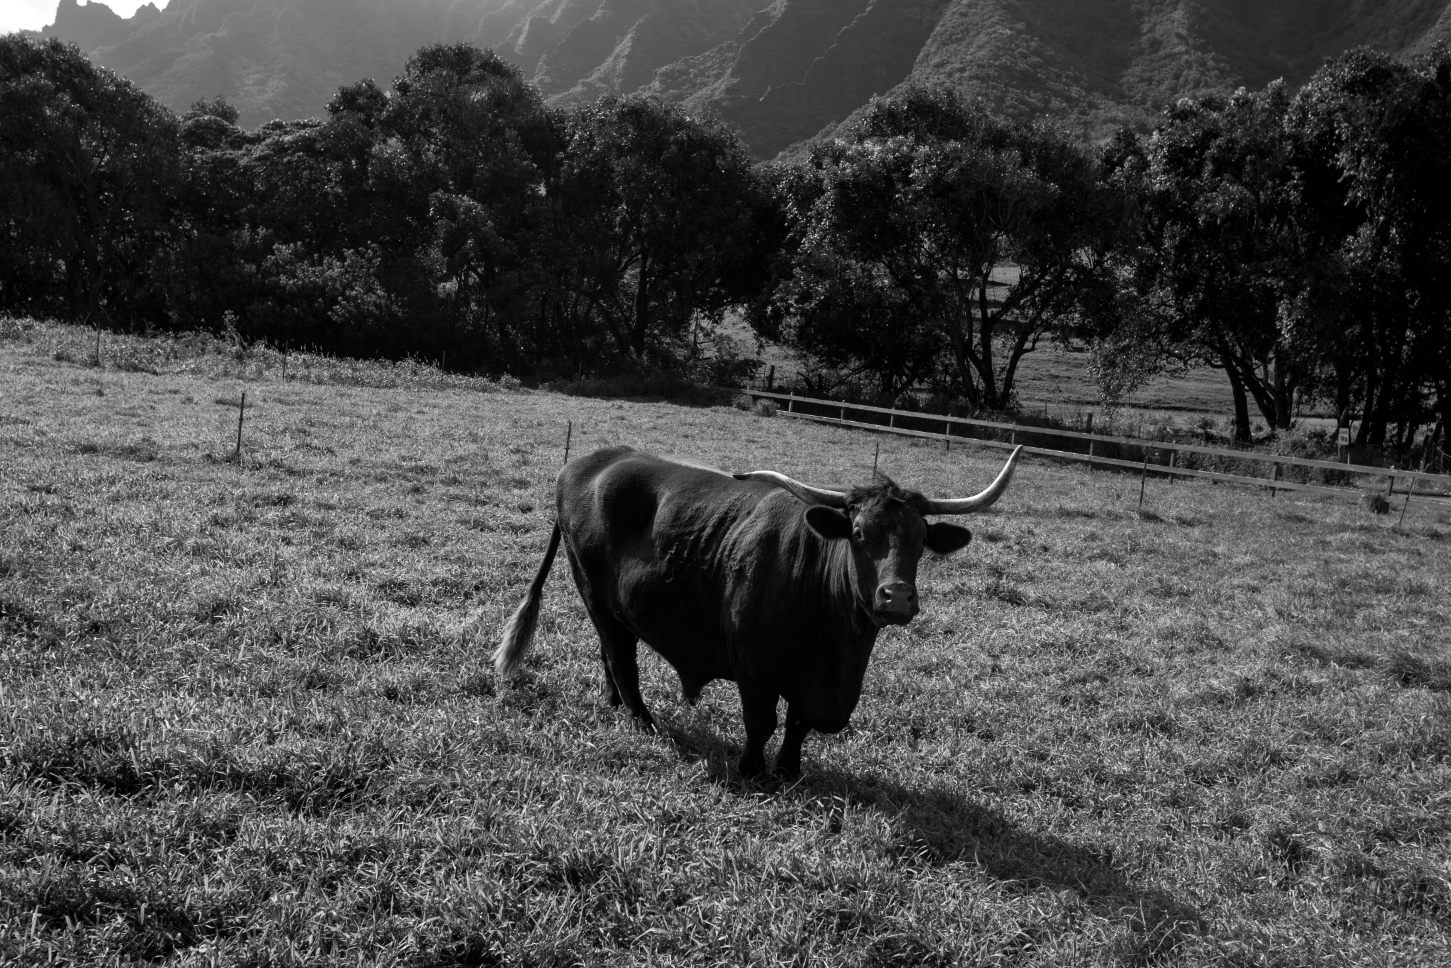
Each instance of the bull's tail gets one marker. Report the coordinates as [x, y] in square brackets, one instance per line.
[520, 630]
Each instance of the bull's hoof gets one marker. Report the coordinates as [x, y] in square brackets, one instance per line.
[645, 723]
[690, 691]
[788, 770]
[752, 766]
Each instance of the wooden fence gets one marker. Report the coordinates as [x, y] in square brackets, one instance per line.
[801, 408]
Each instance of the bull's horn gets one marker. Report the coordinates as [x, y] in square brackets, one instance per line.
[807, 493]
[978, 502]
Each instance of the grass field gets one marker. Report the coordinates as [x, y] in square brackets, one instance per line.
[247, 715]
[1059, 379]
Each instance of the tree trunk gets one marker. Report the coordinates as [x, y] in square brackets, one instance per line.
[990, 395]
[1380, 416]
[1241, 402]
[1343, 381]
[642, 309]
[1362, 436]
[1284, 398]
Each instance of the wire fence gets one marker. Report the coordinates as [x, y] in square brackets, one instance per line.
[1277, 472]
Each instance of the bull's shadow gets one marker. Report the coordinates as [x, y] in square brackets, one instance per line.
[942, 826]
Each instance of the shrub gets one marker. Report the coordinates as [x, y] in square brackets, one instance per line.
[1375, 502]
[766, 408]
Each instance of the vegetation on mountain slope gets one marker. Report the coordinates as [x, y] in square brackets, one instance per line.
[780, 71]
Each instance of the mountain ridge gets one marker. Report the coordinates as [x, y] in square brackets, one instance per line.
[780, 72]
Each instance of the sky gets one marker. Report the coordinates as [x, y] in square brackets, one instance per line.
[34, 14]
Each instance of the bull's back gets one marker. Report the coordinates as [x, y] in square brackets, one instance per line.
[647, 538]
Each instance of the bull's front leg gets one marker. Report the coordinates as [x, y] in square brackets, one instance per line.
[758, 707]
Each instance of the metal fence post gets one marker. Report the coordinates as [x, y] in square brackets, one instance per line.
[241, 412]
[1409, 491]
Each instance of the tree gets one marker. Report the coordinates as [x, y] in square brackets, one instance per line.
[939, 243]
[659, 223]
[1372, 143]
[466, 151]
[87, 176]
[1218, 251]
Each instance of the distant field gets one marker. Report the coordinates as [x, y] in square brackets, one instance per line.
[247, 715]
[1060, 380]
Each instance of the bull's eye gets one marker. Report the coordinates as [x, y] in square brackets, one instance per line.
[856, 534]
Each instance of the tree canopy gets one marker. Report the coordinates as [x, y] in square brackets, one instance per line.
[1299, 241]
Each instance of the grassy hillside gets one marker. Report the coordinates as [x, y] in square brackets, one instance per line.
[246, 713]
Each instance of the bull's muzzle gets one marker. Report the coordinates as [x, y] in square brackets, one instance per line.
[896, 602]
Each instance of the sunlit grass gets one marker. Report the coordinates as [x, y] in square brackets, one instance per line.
[247, 715]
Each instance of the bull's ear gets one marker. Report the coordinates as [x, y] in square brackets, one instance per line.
[830, 523]
[944, 538]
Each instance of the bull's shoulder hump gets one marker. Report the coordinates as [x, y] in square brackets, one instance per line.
[626, 474]
[587, 467]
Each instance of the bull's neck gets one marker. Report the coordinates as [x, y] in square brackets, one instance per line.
[841, 567]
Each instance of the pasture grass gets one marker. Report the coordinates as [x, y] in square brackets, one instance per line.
[247, 715]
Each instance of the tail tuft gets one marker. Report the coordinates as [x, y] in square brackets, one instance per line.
[519, 633]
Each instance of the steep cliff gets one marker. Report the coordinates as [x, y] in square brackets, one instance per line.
[780, 71]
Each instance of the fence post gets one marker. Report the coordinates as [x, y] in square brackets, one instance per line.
[1089, 425]
[771, 377]
[841, 418]
[1274, 476]
[1173, 463]
[946, 437]
[1409, 491]
[241, 412]
[1143, 478]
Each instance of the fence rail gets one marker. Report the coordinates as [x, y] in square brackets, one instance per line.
[1274, 483]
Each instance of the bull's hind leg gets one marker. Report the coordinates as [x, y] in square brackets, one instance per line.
[608, 690]
[788, 757]
[619, 647]
[618, 650]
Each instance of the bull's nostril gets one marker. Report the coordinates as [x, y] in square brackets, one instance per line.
[896, 597]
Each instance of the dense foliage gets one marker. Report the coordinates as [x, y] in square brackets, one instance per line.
[902, 234]
[1297, 241]
[1301, 243]
[456, 217]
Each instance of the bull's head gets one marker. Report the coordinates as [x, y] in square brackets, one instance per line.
[887, 529]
